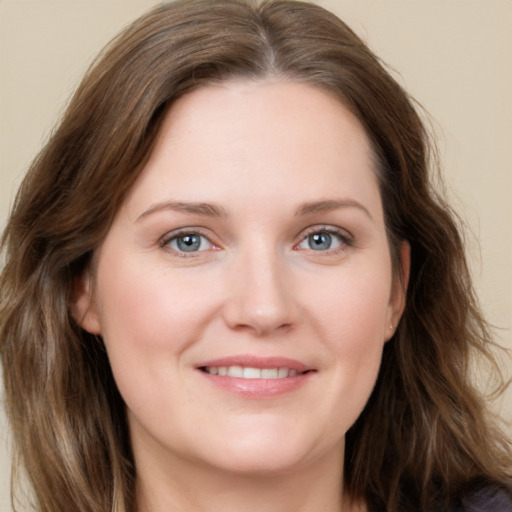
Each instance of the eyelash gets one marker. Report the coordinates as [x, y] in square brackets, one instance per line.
[345, 240]
[170, 237]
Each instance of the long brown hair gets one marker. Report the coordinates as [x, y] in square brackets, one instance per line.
[424, 438]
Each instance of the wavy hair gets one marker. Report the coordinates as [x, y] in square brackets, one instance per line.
[425, 437]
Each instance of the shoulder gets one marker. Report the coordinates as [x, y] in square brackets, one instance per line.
[489, 499]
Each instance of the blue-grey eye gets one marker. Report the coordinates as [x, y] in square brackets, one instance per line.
[189, 242]
[321, 241]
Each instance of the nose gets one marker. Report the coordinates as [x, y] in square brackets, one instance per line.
[260, 298]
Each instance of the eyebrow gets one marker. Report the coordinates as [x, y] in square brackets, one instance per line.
[215, 210]
[206, 209]
[330, 204]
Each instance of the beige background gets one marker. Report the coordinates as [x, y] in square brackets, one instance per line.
[454, 56]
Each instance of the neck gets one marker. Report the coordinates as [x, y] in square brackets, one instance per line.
[190, 487]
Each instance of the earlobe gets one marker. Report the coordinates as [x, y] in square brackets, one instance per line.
[83, 307]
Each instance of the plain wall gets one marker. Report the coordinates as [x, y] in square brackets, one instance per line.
[452, 55]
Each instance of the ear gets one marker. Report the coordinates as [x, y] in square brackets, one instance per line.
[399, 291]
[83, 306]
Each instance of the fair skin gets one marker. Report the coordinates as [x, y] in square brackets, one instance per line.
[254, 238]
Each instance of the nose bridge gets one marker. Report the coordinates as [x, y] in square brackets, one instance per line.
[259, 298]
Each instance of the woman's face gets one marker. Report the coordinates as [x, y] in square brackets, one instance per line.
[244, 292]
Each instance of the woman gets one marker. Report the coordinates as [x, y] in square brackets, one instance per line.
[230, 285]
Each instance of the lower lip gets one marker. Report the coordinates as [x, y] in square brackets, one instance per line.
[258, 389]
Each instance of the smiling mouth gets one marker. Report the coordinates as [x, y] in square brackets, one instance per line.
[242, 372]
[256, 378]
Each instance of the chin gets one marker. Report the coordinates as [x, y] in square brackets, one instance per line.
[260, 464]
[264, 453]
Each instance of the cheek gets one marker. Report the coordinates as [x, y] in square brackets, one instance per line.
[148, 307]
[354, 306]
[352, 319]
[148, 319]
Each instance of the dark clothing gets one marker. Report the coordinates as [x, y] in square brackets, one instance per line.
[487, 500]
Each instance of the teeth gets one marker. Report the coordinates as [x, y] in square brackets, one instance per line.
[270, 373]
[251, 373]
[235, 371]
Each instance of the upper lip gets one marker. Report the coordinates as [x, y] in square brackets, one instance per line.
[251, 361]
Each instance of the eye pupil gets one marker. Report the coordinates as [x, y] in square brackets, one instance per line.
[320, 241]
[188, 243]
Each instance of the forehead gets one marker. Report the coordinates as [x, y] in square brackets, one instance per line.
[263, 140]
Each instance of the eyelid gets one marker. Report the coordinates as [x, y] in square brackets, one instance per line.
[166, 239]
[345, 237]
